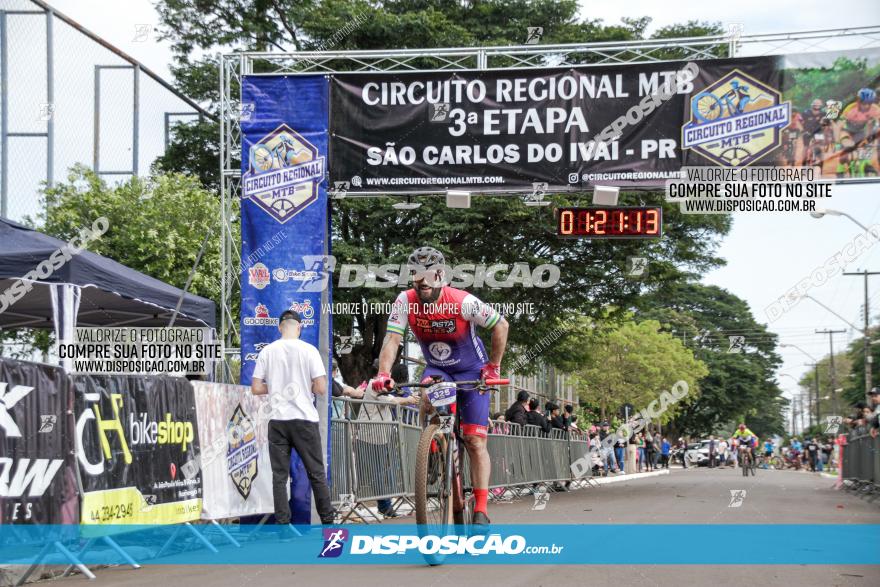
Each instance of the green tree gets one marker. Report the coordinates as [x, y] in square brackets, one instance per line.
[739, 385]
[156, 225]
[633, 363]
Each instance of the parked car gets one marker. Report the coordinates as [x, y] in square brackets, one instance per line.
[698, 453]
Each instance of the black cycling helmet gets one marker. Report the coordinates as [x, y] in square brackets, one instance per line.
[426, 257]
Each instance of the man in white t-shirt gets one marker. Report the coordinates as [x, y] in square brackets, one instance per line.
[292, 373]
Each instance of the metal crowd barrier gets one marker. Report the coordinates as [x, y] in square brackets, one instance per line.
[374, 450]
[861, 461]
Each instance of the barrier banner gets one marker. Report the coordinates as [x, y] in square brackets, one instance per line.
[626, 125]
[37, 478]
[138, 449]
[234, 438]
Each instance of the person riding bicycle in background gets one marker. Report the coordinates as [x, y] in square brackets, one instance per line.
[745, 436]
[861, 118]
[443, 320]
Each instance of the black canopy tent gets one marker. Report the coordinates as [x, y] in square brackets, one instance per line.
[87, 290]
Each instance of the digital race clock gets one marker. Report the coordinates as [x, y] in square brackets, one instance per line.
[610, 222]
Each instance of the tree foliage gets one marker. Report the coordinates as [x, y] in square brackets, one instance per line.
[633, 363]
[739, 385]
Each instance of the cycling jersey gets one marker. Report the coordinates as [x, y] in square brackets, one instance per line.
[746, 435]
[446, 328]
[446, 331]
[856, 118]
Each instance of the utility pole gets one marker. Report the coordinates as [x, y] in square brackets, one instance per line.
[868, 357]
[815, 367]
[831, 334]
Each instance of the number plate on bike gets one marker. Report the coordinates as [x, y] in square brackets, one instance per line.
[442, 394]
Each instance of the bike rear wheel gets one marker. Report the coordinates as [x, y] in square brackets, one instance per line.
[433, 487]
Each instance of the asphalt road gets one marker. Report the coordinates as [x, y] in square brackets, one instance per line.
[697, 496]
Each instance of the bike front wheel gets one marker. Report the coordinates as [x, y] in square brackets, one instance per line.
[433, 487]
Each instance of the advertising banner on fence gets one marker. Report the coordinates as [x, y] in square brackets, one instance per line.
[138, 449]
[234, 437]
[37, 478]
[626, 125]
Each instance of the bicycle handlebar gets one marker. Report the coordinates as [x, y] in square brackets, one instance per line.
[487, 383]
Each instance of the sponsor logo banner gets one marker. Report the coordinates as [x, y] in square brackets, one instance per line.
[567, 128]
[285, 145]
[37, 481]
[137, 445]
[234, 437]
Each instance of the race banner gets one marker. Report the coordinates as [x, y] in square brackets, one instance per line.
[37, 478]
[285, 227]
[138, 449]
[626, 125]
[234, 437]
[284, 221]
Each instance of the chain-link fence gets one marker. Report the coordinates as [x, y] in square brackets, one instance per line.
[67, 97]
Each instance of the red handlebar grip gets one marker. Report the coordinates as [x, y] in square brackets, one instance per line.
[497, 381]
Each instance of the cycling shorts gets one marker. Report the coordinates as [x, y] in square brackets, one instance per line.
[472, 406]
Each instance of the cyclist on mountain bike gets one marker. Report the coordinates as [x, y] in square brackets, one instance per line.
[443, 320]
[862, 117]
[745, 436]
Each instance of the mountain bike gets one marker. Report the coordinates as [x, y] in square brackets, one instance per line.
[746, 461]
[443, 506]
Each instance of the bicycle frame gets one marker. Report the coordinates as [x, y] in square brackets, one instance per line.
[452, 465]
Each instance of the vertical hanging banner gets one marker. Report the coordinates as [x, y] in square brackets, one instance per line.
[138, 449]
[284, 225]
[284, 234]
[234, 436]
[37, 478]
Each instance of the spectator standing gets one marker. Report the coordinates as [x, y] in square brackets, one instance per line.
[649, 451]
[608, 453]
[640, 451]
[516, 413]
[374, 459]
[632, 454]
[341, 390]
[711, 452]
[684, 448]
[292, 373]
[534, 417]
[619, 451]
[665, 448]
[812, 450]
[723, 449]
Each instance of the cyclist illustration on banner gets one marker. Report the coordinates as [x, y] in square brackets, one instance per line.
[283, 173]
[736, 121]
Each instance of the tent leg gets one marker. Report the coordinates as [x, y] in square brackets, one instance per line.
[125, 556]
[225, 534]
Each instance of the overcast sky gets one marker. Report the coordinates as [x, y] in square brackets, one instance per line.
[766, 254]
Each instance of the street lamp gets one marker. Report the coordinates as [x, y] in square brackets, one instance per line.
[821, 212]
